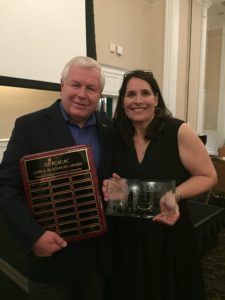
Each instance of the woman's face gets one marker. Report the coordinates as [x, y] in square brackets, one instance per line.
[139, 102]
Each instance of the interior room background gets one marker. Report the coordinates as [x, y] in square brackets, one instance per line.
[181, 41]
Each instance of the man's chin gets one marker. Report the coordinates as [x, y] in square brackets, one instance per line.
[79, 117]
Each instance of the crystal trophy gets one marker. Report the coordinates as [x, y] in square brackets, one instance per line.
[141, 199]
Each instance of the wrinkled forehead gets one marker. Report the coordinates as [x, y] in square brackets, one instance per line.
[80, 73]
[89, 75]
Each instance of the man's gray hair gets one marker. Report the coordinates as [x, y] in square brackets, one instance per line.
[84, 62]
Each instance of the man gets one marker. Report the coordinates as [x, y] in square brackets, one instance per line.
[57, 269]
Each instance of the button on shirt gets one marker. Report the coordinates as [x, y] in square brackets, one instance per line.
[85, 135]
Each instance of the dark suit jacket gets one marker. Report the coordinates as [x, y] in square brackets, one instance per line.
[41, 131]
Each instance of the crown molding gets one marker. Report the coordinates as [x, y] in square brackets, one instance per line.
[152, 2]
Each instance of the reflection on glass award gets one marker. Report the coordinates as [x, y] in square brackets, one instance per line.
[141, 199]
[133, 196]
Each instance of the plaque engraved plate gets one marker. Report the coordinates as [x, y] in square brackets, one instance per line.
[62, 191]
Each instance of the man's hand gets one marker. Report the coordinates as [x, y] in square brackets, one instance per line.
[48, 244]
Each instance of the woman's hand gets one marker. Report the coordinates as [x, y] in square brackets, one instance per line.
[169, 210]
[115, 188]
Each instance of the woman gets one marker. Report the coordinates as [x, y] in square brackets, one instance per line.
[151, 259]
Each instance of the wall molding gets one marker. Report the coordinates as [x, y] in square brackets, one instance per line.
[3, 145]
[113, 80]
[171, 53]
[201, 93]
[221, 102]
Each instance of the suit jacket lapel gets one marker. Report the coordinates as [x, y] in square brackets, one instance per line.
[58, 127]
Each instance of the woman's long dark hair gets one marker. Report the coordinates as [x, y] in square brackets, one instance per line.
[123, 125]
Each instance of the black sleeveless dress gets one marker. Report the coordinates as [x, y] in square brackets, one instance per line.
[151, 260]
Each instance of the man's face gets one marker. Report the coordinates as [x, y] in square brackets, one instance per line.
[80, 93]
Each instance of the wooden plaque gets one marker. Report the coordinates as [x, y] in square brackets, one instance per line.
[62, 191]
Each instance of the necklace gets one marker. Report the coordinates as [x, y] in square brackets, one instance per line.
[140, 146]
[143, 148]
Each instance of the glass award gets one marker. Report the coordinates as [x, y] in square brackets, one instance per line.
[141, 199]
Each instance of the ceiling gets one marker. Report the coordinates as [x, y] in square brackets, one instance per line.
[216, 14]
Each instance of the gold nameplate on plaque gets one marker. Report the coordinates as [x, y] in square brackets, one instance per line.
[62, 191]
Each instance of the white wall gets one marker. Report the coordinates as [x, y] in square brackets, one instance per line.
[38, 37]
[3, 145]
